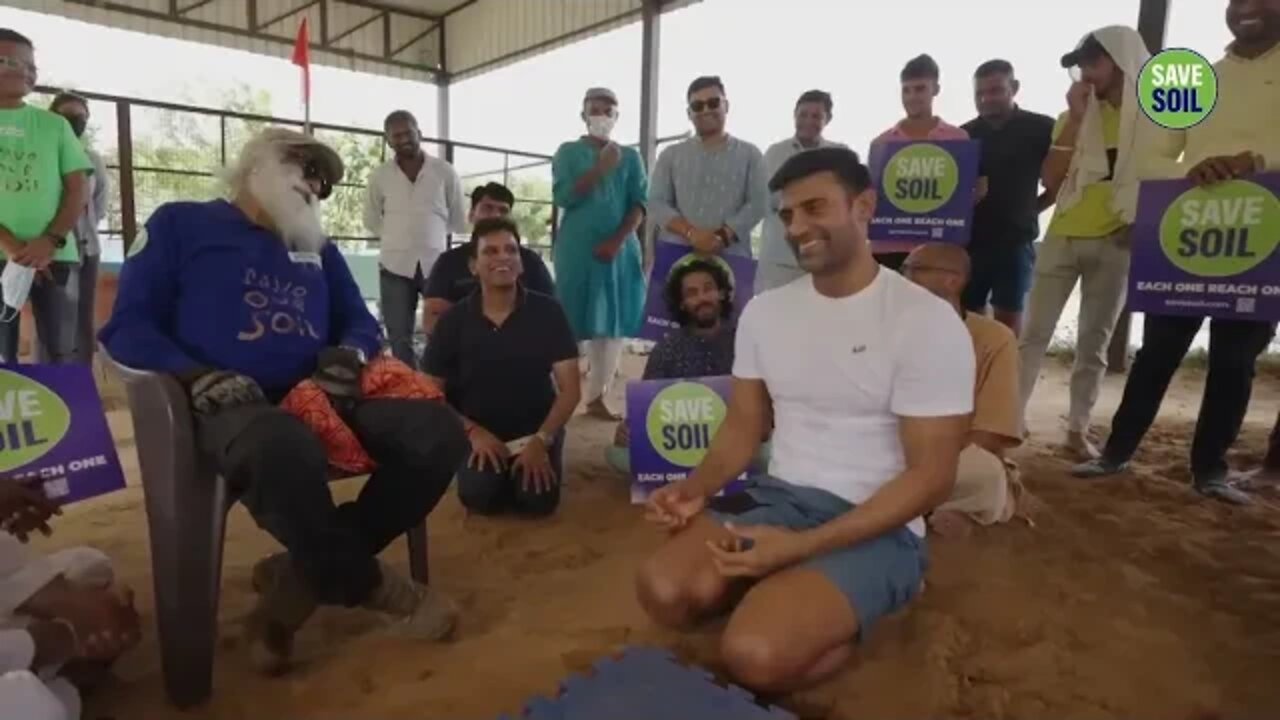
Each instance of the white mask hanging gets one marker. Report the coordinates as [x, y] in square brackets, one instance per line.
[601, 126]
[15, 286]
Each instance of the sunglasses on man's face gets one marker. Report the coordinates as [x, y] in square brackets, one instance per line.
[311, 173]
[708, 104]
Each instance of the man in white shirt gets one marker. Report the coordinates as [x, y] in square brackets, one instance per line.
[777, 263]
[414, 201]
[868, 381]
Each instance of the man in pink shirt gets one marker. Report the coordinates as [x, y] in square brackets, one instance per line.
[919, 87]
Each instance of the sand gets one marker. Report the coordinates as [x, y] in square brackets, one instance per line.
[1130, 597]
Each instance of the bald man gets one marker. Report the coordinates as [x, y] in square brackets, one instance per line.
[982, 491]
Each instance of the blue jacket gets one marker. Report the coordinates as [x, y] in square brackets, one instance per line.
[203, 287]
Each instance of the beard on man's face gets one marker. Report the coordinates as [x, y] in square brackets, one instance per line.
[705, 315]
[287, 199]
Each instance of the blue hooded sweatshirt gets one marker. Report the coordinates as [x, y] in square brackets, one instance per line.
[205, 288]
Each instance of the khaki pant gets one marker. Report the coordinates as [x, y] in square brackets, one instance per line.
[982, 488]
[1101, 265]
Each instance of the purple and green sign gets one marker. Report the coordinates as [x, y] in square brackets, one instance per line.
[926, 190]
[54, 433]
[671, 424]
[1207, 251]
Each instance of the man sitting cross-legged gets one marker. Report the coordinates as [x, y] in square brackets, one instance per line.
[869, 382]
[698, 295]
[496, 353]
[983, 491]
[243, 301]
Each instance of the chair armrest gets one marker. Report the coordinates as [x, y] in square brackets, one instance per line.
[160, 409]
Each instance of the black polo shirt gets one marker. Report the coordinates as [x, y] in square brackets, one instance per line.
[451, 277]
[1011, 158]
[500, 376]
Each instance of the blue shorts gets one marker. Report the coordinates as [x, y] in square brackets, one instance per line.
[1001, 275]
[877, 577]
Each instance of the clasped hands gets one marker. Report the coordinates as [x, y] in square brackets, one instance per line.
[751, 551]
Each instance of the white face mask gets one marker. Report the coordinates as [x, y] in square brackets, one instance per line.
[15, 282]
[600, 126]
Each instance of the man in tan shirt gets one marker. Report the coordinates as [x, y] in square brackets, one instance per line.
[982, 491]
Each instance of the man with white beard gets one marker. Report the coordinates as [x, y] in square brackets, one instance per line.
[241, 300]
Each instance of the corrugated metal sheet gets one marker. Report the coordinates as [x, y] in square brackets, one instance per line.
[225, 23]
[480, 35]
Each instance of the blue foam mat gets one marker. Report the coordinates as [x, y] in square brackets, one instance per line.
[648, 684]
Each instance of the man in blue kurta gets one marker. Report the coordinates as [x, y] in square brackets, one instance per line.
[241, 301]
[602, 190]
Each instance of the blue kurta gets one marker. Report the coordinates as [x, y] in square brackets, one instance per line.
[602, 300]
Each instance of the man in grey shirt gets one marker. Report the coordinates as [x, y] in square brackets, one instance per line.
[710, 190]
[85, 288]
[414, 201]
[778, 264]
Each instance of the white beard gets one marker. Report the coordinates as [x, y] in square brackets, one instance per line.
[287, 200]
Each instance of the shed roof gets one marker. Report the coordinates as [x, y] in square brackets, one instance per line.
[412, 39]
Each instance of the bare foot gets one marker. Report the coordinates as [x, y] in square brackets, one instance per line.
[1079, 443]
[950, 524]
[597, 409]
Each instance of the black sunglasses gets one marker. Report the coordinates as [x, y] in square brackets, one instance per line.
[708, 104]
[311, 173]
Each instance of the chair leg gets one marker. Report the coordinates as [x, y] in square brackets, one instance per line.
[417, 538]
[187, 523]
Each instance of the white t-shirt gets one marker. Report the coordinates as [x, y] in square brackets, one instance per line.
[841, 373]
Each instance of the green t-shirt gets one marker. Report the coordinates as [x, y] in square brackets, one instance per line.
[1092, 216]
[37, 148]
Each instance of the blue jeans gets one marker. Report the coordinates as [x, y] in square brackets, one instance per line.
[399, 304]
[877, 576]
[1000, 275]
[489, 492]
[53, 309]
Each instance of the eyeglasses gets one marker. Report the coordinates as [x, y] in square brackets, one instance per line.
[311, 173]
[13, 63]
[708, 104]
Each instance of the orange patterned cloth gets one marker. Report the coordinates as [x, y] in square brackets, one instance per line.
[384, 377]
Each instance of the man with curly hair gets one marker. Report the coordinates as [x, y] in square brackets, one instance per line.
[699, 298]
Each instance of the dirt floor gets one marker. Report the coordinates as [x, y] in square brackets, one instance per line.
[1129, 598]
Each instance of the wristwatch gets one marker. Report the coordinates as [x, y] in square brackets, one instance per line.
[58, 242]
[724, 236]
[546, 438]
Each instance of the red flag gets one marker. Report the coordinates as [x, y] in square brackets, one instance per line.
[302, 58]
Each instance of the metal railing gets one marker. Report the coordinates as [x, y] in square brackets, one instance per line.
[167, 151]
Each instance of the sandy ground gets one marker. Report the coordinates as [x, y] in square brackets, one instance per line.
[1130, 597]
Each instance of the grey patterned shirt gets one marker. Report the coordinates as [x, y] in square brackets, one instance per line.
[726, 185]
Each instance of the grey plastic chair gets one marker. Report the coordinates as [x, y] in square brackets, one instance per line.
[187, 505]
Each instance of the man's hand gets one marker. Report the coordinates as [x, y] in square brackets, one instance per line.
[673, 506]
[8, 243]
[37, 254]
[219, 390]
[486, 448]
[534, 466]
[607, 250]
[1078, 98]
[338, 372]
[609, 158]
[1222, 168]
[705, 242]
[622, 435]
[24, 509]
[105, 621]
[758, 550]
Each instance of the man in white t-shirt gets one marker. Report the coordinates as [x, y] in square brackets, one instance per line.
[868, 380]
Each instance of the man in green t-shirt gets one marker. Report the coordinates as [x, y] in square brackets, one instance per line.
[1091, 170]
[43, 190]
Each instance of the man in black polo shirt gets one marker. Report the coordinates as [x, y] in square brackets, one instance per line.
[451, 279]
[1006, 222]
[495, 352]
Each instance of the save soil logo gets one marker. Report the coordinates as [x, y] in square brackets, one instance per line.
[920, 178]
[1177, 88]
[682, 420]
[1221, 231]
[33, 420]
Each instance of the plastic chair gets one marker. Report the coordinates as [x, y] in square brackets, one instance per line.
[187, 503]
